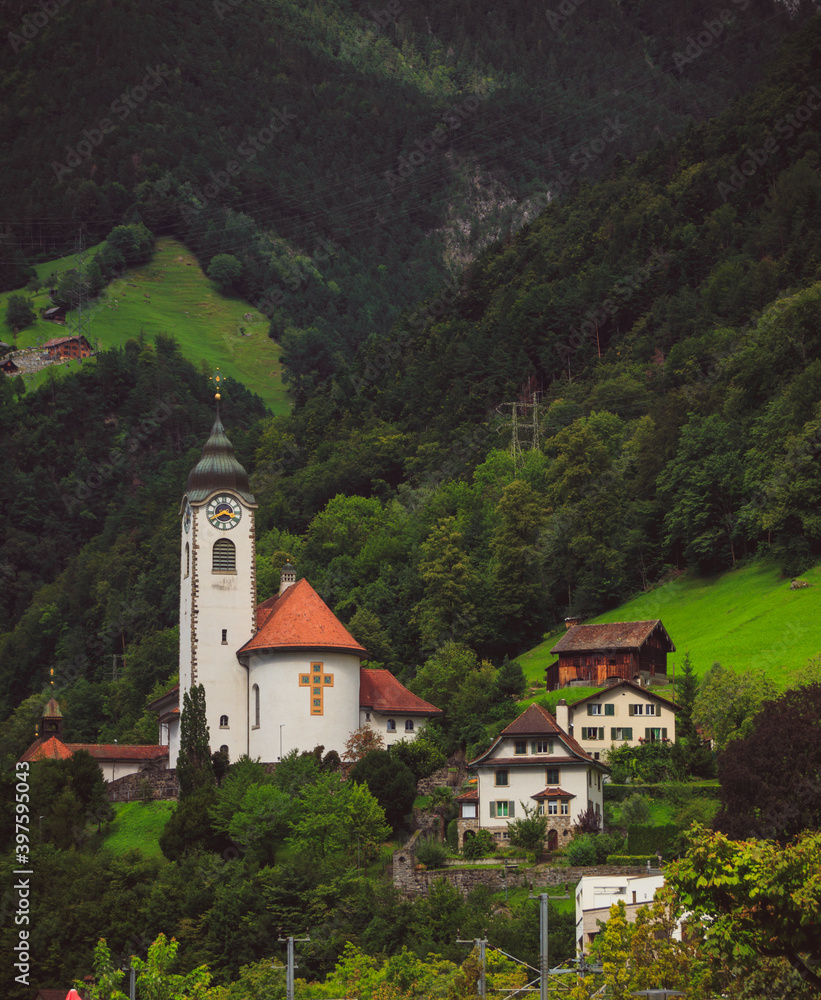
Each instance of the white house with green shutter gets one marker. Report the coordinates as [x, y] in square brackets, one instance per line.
[532, 763]
[625, 712]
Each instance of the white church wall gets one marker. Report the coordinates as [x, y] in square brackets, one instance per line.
[393, 726]
[286, 701]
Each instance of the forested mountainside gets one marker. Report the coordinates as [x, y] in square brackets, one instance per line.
[347, 155]
[666, 326]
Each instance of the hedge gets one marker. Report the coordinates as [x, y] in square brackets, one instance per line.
[633, 859]
[678, 791]
[643, 839]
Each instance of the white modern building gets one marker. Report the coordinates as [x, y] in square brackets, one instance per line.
[595, 894]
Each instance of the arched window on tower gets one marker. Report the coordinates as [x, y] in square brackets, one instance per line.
[223, 722]
[408, 725]
[255, 691]
[187, 558]
[391, 725]
[224, 556]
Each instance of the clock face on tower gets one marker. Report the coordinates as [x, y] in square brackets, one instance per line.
[223, 512]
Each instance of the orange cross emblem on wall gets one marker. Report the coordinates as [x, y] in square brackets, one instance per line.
[317, 681]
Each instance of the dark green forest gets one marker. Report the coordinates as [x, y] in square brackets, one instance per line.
[658, 320]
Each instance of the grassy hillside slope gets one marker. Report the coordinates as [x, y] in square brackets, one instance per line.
[182, 302]
[137, 826]
[748, 619]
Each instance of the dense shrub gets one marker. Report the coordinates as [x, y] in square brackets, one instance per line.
[593, 848]
[479, 845]
[632, 859]
[636, 809]
[430, 852]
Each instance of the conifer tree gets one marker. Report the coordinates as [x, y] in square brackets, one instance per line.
[194, 766]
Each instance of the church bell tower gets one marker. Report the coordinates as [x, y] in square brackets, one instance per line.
[217, 591]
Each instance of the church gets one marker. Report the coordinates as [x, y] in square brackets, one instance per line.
[278, 676]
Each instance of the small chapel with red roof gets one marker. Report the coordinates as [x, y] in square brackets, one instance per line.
[281, 675]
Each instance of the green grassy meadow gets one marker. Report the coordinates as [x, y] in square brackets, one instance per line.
[170, 295]
[137, 826]
[748, 619]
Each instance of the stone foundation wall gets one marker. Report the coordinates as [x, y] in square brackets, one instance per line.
[163, 786]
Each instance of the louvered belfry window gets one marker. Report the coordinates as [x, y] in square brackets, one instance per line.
[225, 556]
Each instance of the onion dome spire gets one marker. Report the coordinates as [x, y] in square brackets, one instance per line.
[218, 469]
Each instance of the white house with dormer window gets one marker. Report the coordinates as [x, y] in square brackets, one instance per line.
[533, 764]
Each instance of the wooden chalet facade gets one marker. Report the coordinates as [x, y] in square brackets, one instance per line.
[68, 347]
[595, 655]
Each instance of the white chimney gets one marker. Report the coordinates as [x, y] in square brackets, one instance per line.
[563, 716]
[287, 577]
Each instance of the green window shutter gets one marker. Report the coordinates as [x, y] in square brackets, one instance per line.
[589, 709]
[512, 812]
[612, 732]
[628, 733]
[647, 734]
[493, 810]
[533, 746]
[630, 709]
[601, 732]
[664, 734]
[609, 709]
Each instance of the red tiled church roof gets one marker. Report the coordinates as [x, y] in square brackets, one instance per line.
[382, 692]
[300, 619]
[49, 749]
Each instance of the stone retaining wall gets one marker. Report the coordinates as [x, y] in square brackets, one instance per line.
[163, 785]
[411, 882]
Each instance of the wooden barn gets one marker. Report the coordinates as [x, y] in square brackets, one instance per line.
[9, 367]
[595, 655]
[68, 347]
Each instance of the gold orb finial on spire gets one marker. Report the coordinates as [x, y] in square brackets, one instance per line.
[216, 378]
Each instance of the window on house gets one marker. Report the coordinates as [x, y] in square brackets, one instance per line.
[592, 732]
[552, 776]
[641, 709]
[255, 692]
[391, 725]
[367, 716]
[468, 810]
[621, 733]
[653, 735]
[224, 749]
[224, 556]
[520, 746]
[408, 725]
[552, 807]
[610, 709]
[541, 746]
[565, 807]
[225, 637]
[502, 810]
[594, 710]
[187, 558]
[501, 776]
[223, 722]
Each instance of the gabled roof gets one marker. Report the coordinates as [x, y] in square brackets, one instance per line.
[534, 721]
[537, 721]
[634, 687]
[300, 619]
[56, 341]
[610, 635]
[381, 691]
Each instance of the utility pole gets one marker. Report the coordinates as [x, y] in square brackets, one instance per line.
[289, 972]
[481, 944]
[544, 962]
